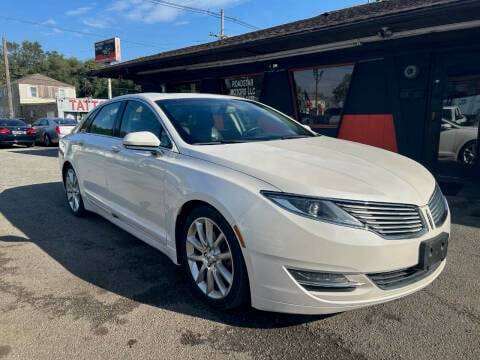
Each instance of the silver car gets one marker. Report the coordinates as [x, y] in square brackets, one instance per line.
[51, 130]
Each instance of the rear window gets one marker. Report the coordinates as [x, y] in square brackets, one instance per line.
[10, 122]
[65, 122]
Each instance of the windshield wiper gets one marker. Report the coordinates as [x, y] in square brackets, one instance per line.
[219, 142]
[287, 137]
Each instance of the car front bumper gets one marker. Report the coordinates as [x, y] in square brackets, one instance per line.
[277, 240]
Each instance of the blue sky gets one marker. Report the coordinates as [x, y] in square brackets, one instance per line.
[144, 27]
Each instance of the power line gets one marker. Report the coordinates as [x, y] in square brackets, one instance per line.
[202, 11]
[30, 22]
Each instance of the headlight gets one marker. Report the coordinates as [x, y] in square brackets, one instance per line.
[318, 209]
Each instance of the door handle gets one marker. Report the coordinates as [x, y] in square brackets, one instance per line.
[116, 149]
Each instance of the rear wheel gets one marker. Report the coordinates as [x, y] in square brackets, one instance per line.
[72, 191]
[213, 259]
[47, 141]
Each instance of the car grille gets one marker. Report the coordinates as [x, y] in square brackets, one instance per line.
[395, 279]
[387, 220]
[438, 207]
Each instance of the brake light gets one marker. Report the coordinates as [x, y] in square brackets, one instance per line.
[57, 129]
[31, 131]
[4, 131]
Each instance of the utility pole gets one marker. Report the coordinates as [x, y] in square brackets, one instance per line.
[7, 79]
[221, 35]
[222, 24]
[109, 82]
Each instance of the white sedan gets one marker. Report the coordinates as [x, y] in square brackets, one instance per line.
[458, 143]
[257, 208]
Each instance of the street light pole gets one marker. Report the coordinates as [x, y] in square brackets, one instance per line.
[11, 114]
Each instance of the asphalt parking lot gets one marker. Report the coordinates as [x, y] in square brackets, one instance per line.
[84, 289]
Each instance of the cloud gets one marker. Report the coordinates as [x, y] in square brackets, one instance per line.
[79, 11]
[150, 12]
[49, 21]
[181, 23]
[98, 23]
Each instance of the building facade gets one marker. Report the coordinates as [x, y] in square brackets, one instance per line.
[403, 75]
[35, 96]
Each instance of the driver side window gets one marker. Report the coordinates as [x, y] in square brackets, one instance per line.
[139, 117]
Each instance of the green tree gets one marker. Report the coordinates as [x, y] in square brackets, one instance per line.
[30, 58]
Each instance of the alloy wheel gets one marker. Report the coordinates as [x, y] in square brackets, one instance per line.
[470, 153]
[73, 190]
[210, 258]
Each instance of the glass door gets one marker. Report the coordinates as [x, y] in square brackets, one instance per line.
[458, 145]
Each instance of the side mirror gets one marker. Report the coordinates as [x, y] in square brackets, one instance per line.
[141, 139]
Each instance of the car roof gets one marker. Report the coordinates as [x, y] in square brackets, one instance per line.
[165, 96]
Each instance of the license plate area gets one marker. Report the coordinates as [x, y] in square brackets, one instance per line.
[18, 132]
[433, 251]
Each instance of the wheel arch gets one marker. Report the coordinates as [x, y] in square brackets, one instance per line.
[183, 212]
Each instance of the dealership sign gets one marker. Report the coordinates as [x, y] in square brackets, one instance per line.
[76, 105]
[248, 87]
[108, 51]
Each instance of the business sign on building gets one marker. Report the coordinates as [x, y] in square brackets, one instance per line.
[76, 107]
[248, 87]
[108, 51]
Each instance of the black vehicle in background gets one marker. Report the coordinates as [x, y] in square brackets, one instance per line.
[16, 132]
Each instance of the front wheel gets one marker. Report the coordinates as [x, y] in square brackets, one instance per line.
[468, 154]
[72, 191]
[212, 257]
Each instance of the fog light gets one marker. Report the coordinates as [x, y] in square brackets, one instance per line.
[318, 281]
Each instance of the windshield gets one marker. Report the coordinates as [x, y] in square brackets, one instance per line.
[9, 122]
[219, 121]
[65, 122]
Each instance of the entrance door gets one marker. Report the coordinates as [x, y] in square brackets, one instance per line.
[455, 116]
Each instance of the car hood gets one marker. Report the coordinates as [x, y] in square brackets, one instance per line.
[326, 167]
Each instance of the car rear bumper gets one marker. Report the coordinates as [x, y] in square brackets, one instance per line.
[17, 141]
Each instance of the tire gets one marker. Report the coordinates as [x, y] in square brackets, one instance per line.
[213, 286]
[465, 155]
[72, 193]
[47, 141]
[30, 145]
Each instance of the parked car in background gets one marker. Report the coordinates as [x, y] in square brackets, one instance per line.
[454, 115]
[255, 207]
[16, 132]
[458, 143]
[50, 130]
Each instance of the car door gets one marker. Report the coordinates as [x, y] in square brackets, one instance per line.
[91, 144]
[446, 145]
[135, 177]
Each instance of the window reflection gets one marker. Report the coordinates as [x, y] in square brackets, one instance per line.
[458, 146]
[185, 87]
[321, 94]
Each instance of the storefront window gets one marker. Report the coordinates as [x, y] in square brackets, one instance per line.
[185, 87]
[321, 94]
[248, 87]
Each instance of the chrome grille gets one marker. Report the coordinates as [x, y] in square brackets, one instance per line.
[388, 220]
[395, 279]
[438, 207]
